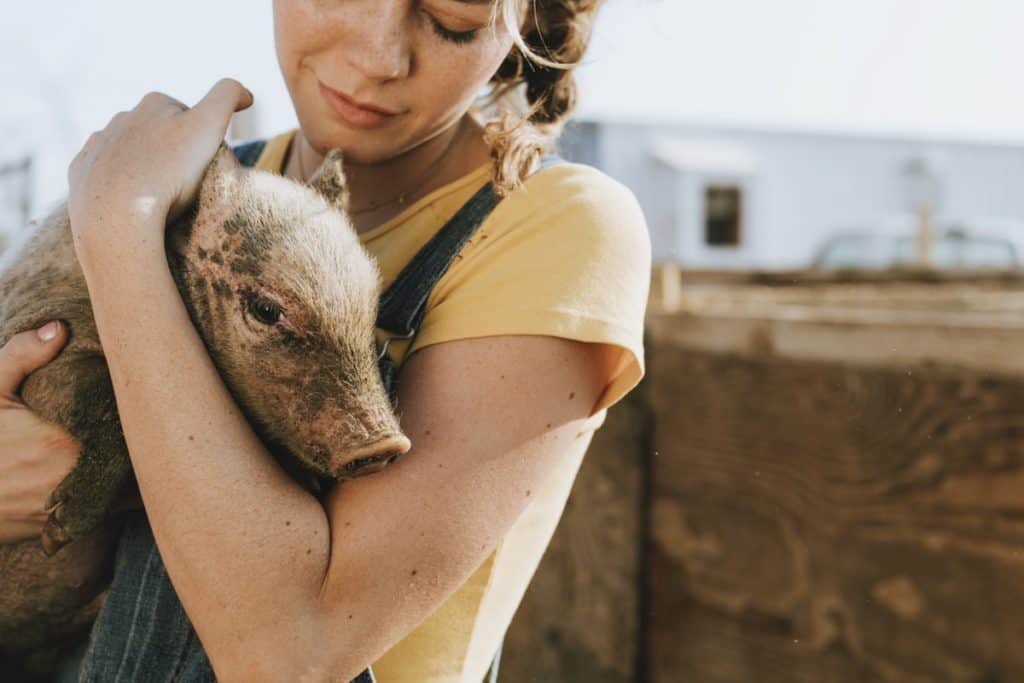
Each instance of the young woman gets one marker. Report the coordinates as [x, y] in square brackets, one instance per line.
[529, 337]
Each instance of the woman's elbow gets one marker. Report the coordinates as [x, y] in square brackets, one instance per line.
[297, 651]
[275, 663]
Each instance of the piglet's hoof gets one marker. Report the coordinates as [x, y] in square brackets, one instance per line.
[53, 537]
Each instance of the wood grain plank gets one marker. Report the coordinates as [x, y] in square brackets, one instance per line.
[827, 521]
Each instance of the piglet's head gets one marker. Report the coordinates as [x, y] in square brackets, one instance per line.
[285, 298]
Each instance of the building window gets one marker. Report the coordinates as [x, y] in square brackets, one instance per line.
[723, 214]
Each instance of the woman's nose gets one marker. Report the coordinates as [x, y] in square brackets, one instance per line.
[377, 42]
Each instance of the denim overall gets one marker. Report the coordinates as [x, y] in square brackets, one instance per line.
[142, 634]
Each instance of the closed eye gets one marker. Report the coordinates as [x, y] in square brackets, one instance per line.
[457, 37]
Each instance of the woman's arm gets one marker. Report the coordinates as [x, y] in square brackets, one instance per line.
[280, 590]
[488, 418]
[277, 586]
[34, 455]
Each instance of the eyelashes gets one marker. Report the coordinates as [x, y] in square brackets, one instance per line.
[456, 37]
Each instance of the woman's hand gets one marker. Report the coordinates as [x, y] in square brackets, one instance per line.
[144, 168]
[34, 456]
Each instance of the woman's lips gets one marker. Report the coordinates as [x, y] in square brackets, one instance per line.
[352, 113]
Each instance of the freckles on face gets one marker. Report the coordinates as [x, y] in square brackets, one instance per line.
[386, 53]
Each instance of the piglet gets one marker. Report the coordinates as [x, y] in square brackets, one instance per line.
[285, 299]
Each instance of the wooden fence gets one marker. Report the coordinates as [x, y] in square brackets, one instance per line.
[820, 480]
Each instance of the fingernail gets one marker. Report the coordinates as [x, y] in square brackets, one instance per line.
[48, 331]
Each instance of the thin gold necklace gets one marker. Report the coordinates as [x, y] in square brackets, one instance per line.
[400, 199]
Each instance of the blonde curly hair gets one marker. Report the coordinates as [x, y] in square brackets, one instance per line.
[534, 91]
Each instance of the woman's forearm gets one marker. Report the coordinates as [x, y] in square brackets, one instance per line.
[245, 547]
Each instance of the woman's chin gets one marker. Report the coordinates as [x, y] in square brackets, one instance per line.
[364, 148]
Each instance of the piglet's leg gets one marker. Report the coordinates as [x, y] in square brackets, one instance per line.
[88, 495]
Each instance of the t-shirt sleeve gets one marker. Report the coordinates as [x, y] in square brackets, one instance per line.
[567, 255]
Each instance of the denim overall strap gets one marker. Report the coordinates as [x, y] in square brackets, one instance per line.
[249, 152]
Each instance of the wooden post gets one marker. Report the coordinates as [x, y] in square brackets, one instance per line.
[671, 287]
[925, 236]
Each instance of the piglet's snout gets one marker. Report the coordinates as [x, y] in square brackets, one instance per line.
[371, 458]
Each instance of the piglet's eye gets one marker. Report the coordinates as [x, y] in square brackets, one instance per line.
[265, 312]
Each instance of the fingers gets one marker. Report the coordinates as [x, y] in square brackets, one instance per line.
[27, 352]
[212, 113]
[159, 102]
[225, 98]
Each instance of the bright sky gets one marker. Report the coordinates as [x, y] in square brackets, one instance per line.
[914, 67]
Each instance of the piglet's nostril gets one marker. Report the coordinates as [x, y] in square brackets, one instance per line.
[371, 458]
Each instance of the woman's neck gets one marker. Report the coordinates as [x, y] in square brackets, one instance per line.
[375, 189]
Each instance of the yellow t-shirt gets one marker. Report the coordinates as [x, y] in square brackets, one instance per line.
[567, 255]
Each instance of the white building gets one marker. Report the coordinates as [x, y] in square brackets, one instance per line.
[720, 197]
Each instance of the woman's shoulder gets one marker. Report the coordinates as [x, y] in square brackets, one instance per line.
[567, 254]
[571, 202]
[575, 183]
[570, 230]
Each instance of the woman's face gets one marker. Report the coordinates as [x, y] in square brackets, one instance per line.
[422, 61]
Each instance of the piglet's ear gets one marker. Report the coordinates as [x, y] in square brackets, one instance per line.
[329, 180]
[221, 178]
